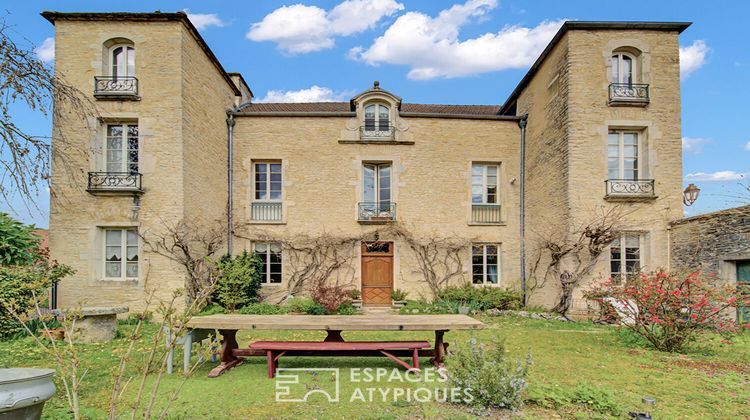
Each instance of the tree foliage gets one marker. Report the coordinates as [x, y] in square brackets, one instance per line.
[18, 243]
[240, 280]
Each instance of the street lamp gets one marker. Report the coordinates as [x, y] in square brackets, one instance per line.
[690, 194]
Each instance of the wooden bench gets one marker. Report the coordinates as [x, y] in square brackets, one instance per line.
[391, 349]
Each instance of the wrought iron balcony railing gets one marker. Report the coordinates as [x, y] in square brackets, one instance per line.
[629, 188]
[371, 132]
[485, 213]
[376, 212]
[628, 93]
[266, 211]
[105, 86]
[114, 182]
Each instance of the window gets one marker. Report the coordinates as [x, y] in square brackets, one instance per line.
[623, 68]
[377, 184]
[484, 264]
[625, 258]
[377, 118]
[270, 254]
[484, 184]
[122, 149]
[122, 61]
[622, 155]
[120, 254]
[268, 181]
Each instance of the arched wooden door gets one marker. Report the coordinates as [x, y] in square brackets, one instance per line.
[377, 273]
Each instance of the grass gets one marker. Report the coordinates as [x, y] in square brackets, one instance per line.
[579, 371]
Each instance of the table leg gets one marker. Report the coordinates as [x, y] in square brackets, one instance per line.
[439, 359]
[228, 359]
[334, 336]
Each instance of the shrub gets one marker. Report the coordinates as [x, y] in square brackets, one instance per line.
[18, 244]
[668, 310]
[212, 309]
[18, 285]
[398, 295]
[329, 296]
[240, 280]
[355, 294]
[347, 309]
[305, 305]
[486, 374]
[264, 309]
[482, 298]
[135, 317]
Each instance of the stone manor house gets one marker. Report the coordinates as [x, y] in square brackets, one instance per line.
[595, 123]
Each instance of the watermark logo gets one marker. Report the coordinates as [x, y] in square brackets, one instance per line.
[298, 384]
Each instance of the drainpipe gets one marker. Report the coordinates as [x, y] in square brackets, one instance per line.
[230, 177]
[522, 126]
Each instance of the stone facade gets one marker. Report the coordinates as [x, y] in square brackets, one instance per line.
[713, 243]
[184, 98]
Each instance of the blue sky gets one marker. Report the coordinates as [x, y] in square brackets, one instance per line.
[438, 52]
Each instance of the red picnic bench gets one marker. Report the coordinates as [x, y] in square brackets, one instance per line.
[275, 349]
[232, 355]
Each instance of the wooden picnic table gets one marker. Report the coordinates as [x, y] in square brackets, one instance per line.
[231, 354]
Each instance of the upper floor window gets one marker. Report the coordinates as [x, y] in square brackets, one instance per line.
[623, 68]
[376, 193]
[377, 121]
[120, 254]
[121, 154]
[484, 183]
[267, 181]
[122, 61]
[622, 155]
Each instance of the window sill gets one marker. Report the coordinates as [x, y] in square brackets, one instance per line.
[381, 142]
[124, 282]
[376, 222]
[271, 285]
[116, 97]
[487, 224]
[629, 102]
[114, 192]
[267, 222]
[630, 198]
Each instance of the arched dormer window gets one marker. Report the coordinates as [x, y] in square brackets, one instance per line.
[377, 119]
[122, 61]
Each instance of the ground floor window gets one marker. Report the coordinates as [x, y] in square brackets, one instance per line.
[625, 257]
[270, 254]
[120, 254]
[484, 264]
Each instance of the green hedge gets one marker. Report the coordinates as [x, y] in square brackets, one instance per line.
[481, 298]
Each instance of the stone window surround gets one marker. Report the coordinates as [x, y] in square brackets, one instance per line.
[358, 168]
[97, 251]
[637, 48]
[249, 165]
[646, 153]
[470, 264]
[108, 46]
[502, 195]
[644, 244]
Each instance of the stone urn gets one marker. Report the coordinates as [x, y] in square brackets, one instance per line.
[23, 392]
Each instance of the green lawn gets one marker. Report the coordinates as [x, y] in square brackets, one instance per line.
[712, 381]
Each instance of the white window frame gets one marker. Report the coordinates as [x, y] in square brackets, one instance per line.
[377, 168]
[125, 149]
[623, 274]
[123, 252]
[621, 154]
[485, 183]
[128, 48]
[378, 106]
[498, 250]
[619, 60]
[268, 164]
[266, 257]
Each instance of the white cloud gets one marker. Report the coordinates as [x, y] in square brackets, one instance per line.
[692, 58]
[694, 145]
[747, 146]
[300, 29]
[46, 51]
[719, 176]
[431, 48]
[313, 94]
[204, 20]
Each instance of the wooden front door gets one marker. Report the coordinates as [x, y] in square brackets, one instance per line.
[377, 273]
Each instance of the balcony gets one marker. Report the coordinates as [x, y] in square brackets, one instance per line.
[114, 183]
[376, 212]
[488, 214]
[628, 94]
[118, 88]
[266, 211]
[629, 189]
[379, 133]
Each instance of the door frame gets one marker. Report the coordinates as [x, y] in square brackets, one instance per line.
[363, 254]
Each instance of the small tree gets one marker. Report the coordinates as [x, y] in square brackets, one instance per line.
[18, 244]
[670, 311]
[239, 281]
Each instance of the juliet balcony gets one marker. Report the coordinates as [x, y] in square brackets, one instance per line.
[116, 88]
[488, 214]
[374, 213]
[629, 189]
[628, 94]
[372, 132]
[114, 183]
[266, 211]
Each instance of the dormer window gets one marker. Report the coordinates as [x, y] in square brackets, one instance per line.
[377, 121]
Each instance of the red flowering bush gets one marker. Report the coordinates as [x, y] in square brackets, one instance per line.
[670, 310]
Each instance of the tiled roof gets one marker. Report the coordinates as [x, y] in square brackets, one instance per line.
[346, 107]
